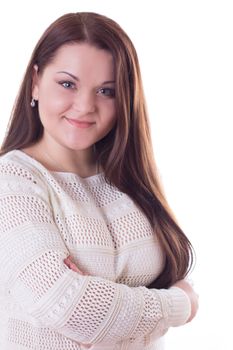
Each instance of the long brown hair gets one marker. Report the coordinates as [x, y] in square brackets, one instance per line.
[126, 153]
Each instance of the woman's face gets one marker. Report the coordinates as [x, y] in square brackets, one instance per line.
[76, 96]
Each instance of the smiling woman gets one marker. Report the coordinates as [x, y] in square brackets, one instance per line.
[91, 253]
[76, 107]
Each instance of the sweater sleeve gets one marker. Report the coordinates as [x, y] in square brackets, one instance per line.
[87, 309]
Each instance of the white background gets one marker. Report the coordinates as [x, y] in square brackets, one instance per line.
[185, 51]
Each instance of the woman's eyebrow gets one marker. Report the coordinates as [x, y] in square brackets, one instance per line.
[108, 82]
[77, 79]
[71, 75]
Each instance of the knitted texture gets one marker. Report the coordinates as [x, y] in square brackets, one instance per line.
[46, 216]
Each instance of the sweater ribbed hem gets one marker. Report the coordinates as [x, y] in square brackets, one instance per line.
[176, 306]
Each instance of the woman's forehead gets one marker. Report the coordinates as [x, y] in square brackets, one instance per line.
[83, 61]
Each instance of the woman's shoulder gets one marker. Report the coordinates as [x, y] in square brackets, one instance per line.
[17, 167]
[17, 163]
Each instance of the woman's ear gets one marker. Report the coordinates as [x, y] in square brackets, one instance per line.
[35, 82]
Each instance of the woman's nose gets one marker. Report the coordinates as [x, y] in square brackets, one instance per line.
[84, 102]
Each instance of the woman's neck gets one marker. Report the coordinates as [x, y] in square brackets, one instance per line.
[82, 163]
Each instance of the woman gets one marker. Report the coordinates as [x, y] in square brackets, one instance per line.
[91, 254]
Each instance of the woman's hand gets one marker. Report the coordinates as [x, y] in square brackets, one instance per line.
[69, 262]
[193, 296]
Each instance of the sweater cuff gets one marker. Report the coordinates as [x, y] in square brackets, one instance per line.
[176, 306]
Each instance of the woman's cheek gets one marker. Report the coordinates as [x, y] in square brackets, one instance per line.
[56, 103]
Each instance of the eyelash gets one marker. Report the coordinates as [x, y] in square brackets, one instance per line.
[110, 94]
[62, 83]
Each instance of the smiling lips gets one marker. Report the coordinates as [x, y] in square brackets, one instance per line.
[79, 124]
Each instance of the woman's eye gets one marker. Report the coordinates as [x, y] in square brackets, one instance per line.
[107, 92]
[67, 84]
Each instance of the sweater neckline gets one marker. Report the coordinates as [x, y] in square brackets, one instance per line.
[61, 174]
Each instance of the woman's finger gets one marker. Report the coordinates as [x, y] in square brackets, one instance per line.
[68, 261]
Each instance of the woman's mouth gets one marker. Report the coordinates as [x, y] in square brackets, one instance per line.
[79, 124]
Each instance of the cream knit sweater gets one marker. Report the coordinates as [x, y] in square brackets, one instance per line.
[46, 216]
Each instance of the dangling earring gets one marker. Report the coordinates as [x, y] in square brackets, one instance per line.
[33, 103]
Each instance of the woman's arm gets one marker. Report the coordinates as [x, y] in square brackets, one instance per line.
[183, 284]
[87, 309]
